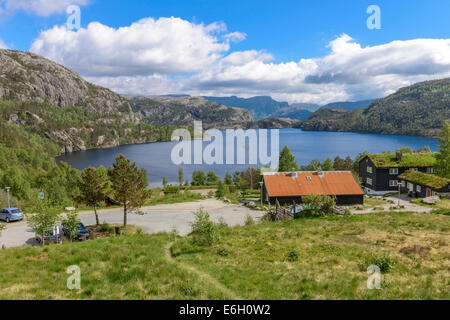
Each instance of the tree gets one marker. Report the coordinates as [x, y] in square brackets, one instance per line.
[228, 179]
[327, 165]
[312, 166]
[164, 182]
[236, 177]
[339, 163]
[129, 185]
[180, 176]
[221, 190]
[71, 222]
[44, 219]
[94, 187]
[358, 158]
[198, 178]
[318, 205]
[212, 178]
[287, 161]
[253, 177]
[443, 156]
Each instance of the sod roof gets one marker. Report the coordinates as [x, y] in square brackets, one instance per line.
[409, 160]
[429, 180]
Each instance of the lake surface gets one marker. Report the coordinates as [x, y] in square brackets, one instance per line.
[304, 145]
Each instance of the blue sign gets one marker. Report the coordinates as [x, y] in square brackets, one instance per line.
[41, 195]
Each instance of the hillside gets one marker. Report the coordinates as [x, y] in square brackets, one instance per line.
[260, 107]
[305, 106]
[277, 123]
[347, 105]
[309, 258]
[182, 111]
[417, 110]
[291, 112]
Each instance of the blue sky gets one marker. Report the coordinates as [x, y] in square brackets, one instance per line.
[275, 37]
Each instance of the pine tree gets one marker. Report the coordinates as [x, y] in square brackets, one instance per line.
[129, 185]
[180, 176]
[94, 187]
[287, 161]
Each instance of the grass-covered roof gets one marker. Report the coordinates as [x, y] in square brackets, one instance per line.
[429, 180]
[416, 159]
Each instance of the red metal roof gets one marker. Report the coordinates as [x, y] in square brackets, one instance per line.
[306, 183]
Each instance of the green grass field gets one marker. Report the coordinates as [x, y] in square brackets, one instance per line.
[309, 258]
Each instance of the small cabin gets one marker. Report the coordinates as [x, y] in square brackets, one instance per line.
[422, 185]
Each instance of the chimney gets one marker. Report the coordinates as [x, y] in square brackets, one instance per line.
[399, 155]
[319, 171]
[293, 173]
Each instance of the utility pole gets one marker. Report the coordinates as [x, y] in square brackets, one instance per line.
[261, 183]
[7, 191]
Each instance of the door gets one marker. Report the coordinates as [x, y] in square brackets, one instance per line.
[428, 192]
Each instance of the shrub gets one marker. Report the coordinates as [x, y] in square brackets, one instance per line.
[292, 255]
[223, 252]
[204, 231]
[383, 261]
[249, 220]
[105, 227]
[316, 205]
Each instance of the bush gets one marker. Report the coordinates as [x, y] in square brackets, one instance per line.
[249, 220]
[318, 206]
[383, 261]
[223, 252]
[105, 228]
[292, 256]
[204, 231]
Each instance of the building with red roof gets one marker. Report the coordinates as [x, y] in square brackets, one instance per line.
[290, 187]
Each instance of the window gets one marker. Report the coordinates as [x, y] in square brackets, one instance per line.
[393, 171]
[369, 181]
[410, 186]
[393, 183]
[414, 169]
[430, 170]
[418, 188]
[369, 169]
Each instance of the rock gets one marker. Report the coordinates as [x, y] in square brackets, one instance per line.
[431, 200]
[251, 204]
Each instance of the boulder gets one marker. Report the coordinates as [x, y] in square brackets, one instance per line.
[431, 200]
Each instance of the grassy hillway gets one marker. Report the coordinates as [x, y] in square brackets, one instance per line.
[309, 258]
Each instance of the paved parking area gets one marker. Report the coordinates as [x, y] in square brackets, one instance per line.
[156, 219]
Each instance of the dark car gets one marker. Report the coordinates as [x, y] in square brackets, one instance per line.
[82, 232]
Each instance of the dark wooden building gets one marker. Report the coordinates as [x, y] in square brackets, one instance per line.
[289, 187]
[379, 172]
[422, 185]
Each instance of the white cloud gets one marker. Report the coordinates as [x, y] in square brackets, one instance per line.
[172, 55]
[166, 45]
[3, 45]
[42, 8]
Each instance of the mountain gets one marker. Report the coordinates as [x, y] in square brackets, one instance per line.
[293, 112]
[260, 107]
[305, 106]
[419, 110]
[54, 102]
[182, 111]
[349, 106]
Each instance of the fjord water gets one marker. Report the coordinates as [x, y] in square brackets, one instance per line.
[305, 146]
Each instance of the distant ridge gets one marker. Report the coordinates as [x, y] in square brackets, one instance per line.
[348, 105]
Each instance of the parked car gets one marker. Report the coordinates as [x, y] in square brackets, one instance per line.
[11, 214]
[51, 235]
[82, 232]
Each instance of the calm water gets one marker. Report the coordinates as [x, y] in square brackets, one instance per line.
[305, 145]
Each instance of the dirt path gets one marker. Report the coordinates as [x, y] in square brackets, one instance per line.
[202, 275]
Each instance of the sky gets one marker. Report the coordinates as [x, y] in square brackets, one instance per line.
[297, 51]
